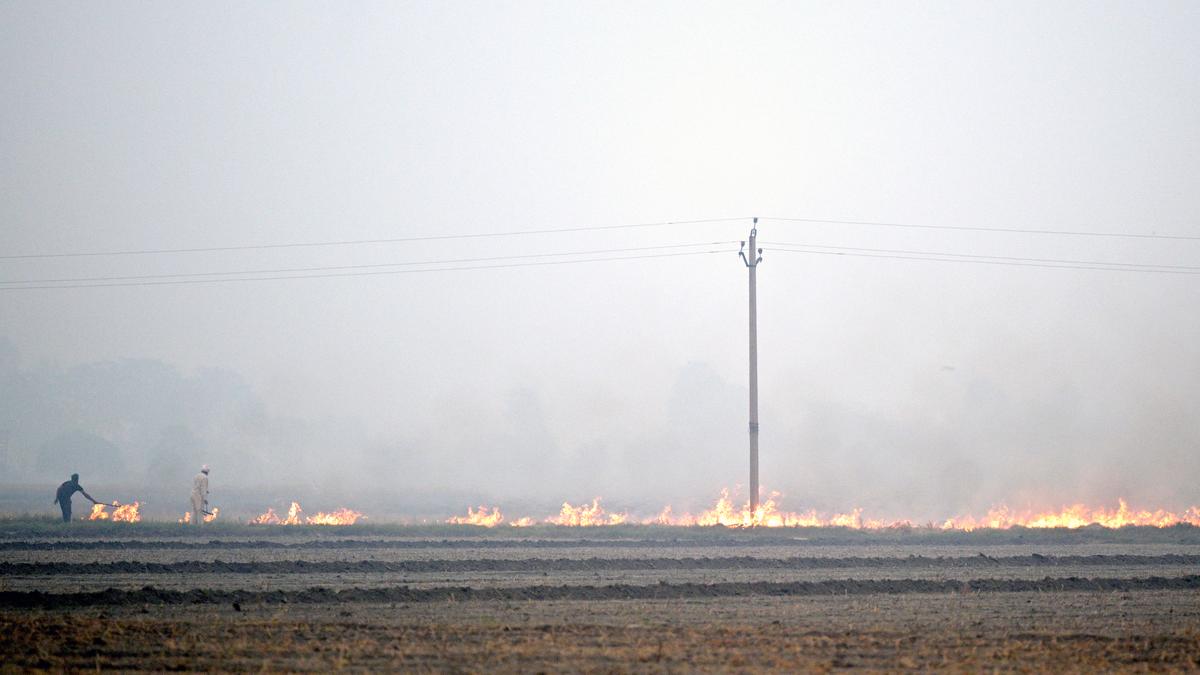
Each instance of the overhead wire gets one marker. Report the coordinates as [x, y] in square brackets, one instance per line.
[332, 268]
[982, 257]
[468, 263]
[177, 282]
[589, 228]
[930, 258]
[970, 228]
[359, 242]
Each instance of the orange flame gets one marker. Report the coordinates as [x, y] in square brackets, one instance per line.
[1077, 515]
[575, 516]
[342, 516]
[587, 515]
[726, 513]
[768, 514]
[293, 516]
[127, 513]
[481, 517]
[122, 513]
[269, 518]
[208, 517]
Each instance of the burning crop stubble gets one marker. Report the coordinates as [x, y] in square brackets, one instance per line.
[655, 582]
[341, 516]
[725, 512]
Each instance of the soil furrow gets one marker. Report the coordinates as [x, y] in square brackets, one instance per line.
[22, 538]
[588, 564]
[150, 595]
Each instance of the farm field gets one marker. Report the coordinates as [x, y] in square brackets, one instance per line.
[645, 598]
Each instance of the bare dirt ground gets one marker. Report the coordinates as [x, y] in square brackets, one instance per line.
[711, 602]
[1068, 631]
[531, 574]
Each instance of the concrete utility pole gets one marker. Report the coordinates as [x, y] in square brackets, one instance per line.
[752, 264]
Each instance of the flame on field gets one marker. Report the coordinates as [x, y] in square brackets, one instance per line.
[482, 517]
[587, 515]
[208, 517]
[122, 513]
[768, 514]
[270, 518]
[342, 516]
[727, 513]
[1077, 515]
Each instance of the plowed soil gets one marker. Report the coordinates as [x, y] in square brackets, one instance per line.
[650, 604]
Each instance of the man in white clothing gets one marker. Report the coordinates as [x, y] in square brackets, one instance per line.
[200, 495]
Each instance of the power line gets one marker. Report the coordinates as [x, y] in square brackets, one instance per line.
[291, 270]
[968, 228]
[594, 228]
[988, 257]
[1099, 267]
[359, 242]
[177, 282]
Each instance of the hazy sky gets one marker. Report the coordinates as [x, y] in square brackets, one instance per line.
[912, 388]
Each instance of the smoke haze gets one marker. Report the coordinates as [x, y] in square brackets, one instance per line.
[912, 389]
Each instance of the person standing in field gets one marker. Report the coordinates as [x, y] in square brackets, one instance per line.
[65, 491]
[200, 495]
